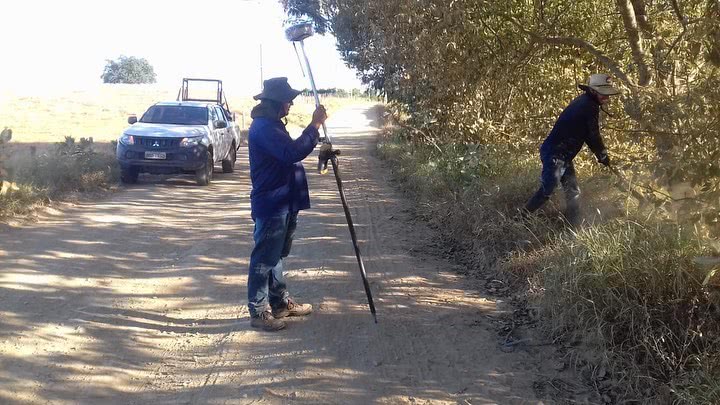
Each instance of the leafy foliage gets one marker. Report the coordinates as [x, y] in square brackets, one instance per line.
[500, 72]
[128, 69]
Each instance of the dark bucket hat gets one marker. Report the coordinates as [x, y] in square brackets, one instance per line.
[277, 89]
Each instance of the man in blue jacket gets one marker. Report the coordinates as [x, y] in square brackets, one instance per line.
[576, 125]
[279, 191]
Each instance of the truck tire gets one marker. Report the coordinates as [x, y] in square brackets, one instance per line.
[129, 175]
[228, 165]
[203, 175]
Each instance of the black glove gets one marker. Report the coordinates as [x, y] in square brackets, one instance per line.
[326, 153]
[604, 159]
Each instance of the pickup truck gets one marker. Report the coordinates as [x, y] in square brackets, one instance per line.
[183, 136]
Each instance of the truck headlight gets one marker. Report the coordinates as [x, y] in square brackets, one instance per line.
[127, 139]
[194, 141]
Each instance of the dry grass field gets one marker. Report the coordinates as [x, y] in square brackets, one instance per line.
[102, 113]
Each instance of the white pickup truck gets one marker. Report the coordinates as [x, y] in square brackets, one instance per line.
[183, 136]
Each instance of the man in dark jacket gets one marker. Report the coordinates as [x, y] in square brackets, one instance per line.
[279, 191]
[576, 125]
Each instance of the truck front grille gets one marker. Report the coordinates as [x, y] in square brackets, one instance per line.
[158, 143]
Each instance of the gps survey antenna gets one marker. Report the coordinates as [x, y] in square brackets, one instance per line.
[298, 32]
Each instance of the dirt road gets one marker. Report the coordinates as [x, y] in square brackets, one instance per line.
[141, 299]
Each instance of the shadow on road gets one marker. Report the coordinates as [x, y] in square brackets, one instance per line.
[140, 298]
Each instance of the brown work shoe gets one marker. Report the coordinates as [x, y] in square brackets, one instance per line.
[267, 322]
[292, 308]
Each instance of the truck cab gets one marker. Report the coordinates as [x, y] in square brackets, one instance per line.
[183, 136]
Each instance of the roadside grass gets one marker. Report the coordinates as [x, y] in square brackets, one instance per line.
[472, 194]
[54, 172]
[623, 293]
[19, 200]
[629, 294]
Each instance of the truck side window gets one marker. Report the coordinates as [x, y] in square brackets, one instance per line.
[221, 114]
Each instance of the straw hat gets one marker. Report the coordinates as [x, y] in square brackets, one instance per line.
[602, 84]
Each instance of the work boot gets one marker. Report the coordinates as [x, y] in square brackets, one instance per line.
[536, 201]
[291, 308]
[267, 322]
[574, 218]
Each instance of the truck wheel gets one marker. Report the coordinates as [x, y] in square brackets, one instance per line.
[203, 175]
[129, 175]
[228, 164]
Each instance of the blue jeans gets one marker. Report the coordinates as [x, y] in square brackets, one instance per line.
[557, 171]
[273, 240]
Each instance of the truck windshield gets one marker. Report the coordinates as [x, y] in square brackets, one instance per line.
[175, 114]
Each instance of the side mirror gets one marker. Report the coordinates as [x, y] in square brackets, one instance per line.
[132, 119]
[220, 124]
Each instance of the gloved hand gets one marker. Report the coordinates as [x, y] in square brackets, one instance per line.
[604, 159]
[326, 153]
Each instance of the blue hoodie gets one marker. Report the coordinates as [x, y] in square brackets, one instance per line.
[278, 178]
[576, 125]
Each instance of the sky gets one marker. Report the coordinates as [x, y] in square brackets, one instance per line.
[51, 45]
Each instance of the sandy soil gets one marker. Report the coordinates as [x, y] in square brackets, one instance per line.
[141, 299]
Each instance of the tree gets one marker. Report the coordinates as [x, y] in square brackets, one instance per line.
[5, 137]
[471, 71]
[128, 69]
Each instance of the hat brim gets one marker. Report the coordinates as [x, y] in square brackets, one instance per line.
[286, 97]
[606, 90]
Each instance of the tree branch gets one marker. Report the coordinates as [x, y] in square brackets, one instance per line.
[642, 18]
[679, 14]
[581, 44]
[636, 47]
[591, 49]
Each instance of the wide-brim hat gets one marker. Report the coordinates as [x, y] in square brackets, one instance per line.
[602, 84]
[277, 89]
